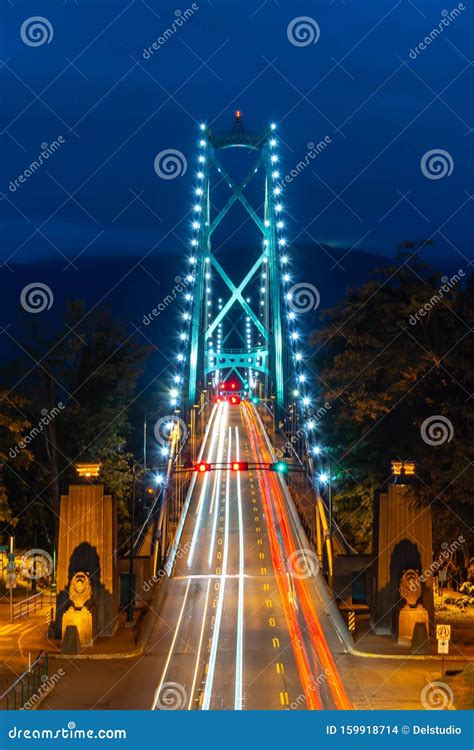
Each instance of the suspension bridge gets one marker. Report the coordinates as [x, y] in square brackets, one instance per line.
[241, 538]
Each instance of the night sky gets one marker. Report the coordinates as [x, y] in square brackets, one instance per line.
[98, 195]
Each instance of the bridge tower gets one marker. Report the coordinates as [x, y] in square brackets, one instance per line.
[242, 303]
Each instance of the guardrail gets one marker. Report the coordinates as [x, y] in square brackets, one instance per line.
[27, 685]
[31, 604]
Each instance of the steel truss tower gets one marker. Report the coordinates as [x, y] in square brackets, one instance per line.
[209, 360]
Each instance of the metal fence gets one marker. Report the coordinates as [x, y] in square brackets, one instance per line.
[31, 604]
[27, 686]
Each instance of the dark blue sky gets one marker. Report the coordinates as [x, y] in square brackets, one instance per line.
[98, 194]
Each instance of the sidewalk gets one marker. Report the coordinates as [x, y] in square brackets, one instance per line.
[366, 641]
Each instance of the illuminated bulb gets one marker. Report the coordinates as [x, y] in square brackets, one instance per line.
[277, 191]
[278, 207]
[275, 175]
[189, 278]
[294, 336]
[316, 450]
[202, 142]
[273, 158]
[196, 225]
[286, 277]
[180, 357]
[280, 225]
[291, 316]
[197, 207]
[202, 159]
[272, 126]
[273, 142]
[298, 356]
[323, 478]
[284, 259]
[202, 126]
[200, 175]
[193, 243]
[199, 191]
[296, 392]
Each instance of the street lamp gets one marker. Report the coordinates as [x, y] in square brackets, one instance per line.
[326, 478]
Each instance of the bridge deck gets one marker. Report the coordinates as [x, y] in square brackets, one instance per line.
[243, 621]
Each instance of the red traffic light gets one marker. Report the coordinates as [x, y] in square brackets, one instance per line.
[202, 467]
[235, 400]
[219, 399]
[233, 386]
[239, 466]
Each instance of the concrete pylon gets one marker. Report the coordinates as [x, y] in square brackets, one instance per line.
[88, 544]
[402, 541]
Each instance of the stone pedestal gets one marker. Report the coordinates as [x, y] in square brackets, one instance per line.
[83, 621]
[408, 617]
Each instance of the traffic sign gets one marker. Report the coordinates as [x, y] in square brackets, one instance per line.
[443, 633]
[11, 580]
[443, 646]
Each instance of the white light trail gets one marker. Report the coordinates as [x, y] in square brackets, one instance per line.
[197, 527]
[198, 655]
[170, 652]
[220, 602]
[240, 612]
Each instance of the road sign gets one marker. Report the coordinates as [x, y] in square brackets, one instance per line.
[443, 646]
[11, 580]
[443, 633]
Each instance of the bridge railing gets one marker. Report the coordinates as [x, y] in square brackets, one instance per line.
[28, 686]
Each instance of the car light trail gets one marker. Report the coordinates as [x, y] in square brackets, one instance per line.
[217, 484]
[220, 603]
[170, 652]
[240, 606]
[198, 655]
[199, 509]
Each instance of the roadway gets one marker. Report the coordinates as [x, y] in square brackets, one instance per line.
[246, 621]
